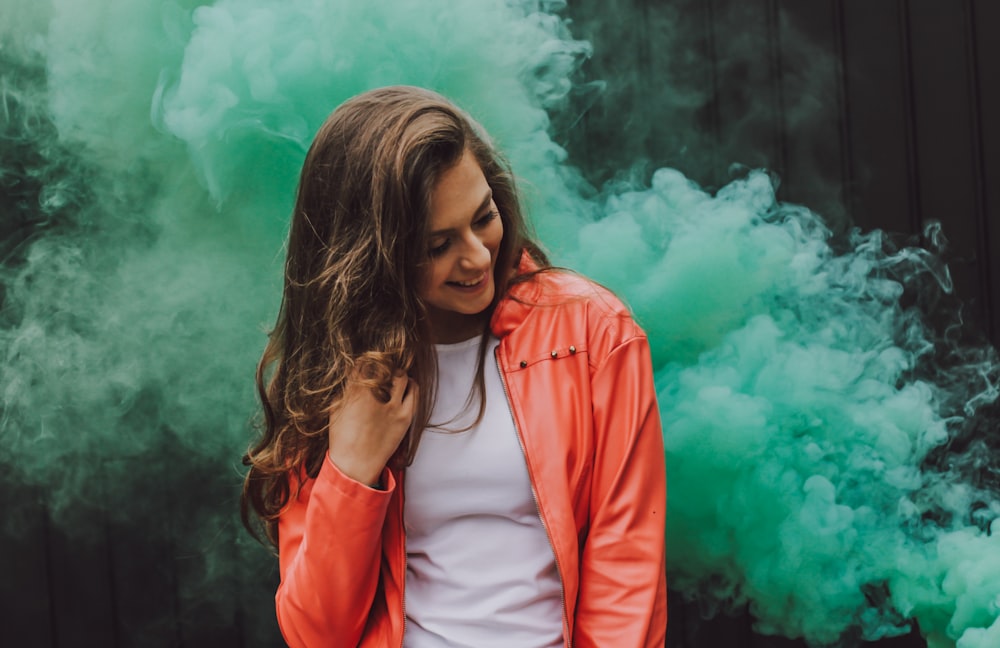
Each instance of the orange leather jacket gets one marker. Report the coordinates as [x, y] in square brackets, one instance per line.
[578, 376]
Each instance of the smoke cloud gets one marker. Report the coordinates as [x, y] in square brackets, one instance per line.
[150, 155]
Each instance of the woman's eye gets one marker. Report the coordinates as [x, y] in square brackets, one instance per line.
[438, 250]
[487, 218]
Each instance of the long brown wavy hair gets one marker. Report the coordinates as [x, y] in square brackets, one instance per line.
[356, 253]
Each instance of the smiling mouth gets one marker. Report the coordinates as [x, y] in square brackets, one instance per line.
[469, 284]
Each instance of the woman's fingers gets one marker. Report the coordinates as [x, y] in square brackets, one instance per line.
[400, 383]
[405, 394]
[411, 397]
[364, 431]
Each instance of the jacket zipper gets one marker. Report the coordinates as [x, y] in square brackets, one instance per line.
[402, 583]
[534, 496]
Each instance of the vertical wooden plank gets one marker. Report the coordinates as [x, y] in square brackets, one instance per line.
[203, 497]
[983, 21]
[603, 129]
[778, 37]
[676, 621]
[745, 116]
[25, 600]
[879, 193]
[259, 582]
[224, 581]
[681, 90]
[946, 129]
[710, 111]
[745, 79]
[814, 164]
[916, 220]
[83, 596]
[844, 118]
[142, 557]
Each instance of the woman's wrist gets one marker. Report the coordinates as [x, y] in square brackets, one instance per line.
[367, 475]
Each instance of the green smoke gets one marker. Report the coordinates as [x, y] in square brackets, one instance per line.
[150, 155]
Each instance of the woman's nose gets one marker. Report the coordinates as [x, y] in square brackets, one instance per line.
[476, 254]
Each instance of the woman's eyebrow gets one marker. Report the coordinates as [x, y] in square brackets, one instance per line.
[480, 208]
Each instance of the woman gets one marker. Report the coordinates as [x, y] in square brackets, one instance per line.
[461, 444]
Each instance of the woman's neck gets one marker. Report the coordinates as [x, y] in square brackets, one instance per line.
[449, 327]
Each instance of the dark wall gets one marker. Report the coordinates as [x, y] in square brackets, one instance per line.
[877, 114]
[874, 114]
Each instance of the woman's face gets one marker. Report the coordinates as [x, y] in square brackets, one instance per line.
[465, 231]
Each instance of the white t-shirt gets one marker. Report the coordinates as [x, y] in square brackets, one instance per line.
[480, 570]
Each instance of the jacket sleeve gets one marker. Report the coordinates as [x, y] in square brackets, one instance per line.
[329, 551]
[623, 596]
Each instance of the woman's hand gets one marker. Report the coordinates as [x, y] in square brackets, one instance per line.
[365, 432]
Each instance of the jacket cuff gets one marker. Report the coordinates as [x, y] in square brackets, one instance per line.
[331, 475]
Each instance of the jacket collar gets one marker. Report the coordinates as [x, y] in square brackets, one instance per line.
[519, 299]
